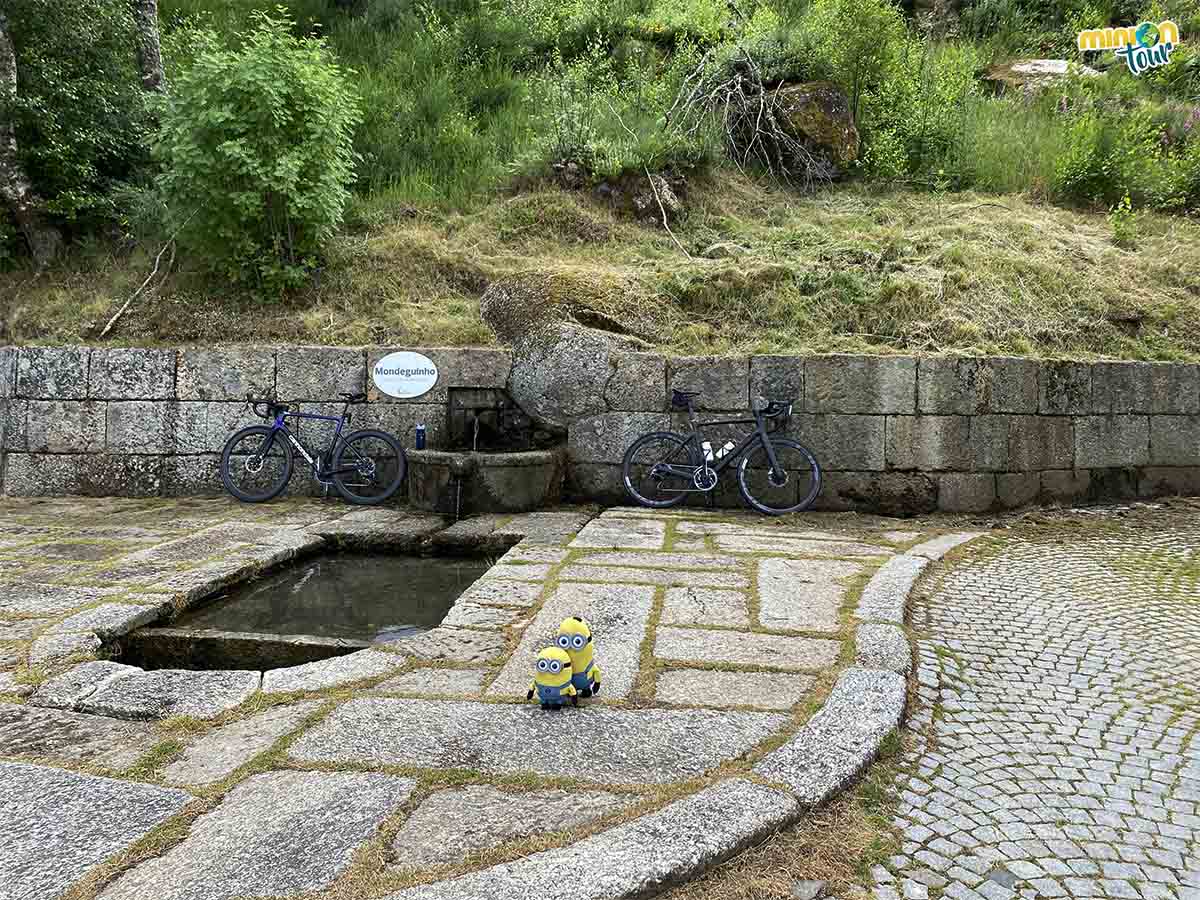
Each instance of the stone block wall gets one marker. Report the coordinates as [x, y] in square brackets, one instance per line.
[139, 422]
[905, 435]
[895, 434]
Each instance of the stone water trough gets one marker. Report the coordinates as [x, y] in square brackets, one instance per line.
[498, 460]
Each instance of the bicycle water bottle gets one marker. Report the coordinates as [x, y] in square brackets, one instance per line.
[706, 446]
[724, 451]
[420, 437]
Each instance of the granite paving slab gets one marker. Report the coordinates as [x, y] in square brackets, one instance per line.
[618, 615]
[784, 545]
[279, 833]
[459, 645]
[56, 826]
[841, 738]
[172, 692]
[518, 572]
[500, 592]
[468, 614]
[621, 533]
[878, 646]
[608, 746]
[705, 606]
[69, 737]
[57, 646]
[451, 824]
[21, 629]
[691, 561]
[885, 594]
[672, 577]
[221, 752]
[333, 672]
[29, 598]
[637, 859]
[802, 595]
[535, 553]
[110, 620]
[67, 689]
[10, 685]
[768, 651]
[697, 687]
[436, 681]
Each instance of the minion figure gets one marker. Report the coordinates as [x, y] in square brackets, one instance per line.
[575, 637]
[552, 679]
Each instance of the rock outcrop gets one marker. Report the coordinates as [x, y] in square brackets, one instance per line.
[818, 115]
[561, 367]
[1030, 75]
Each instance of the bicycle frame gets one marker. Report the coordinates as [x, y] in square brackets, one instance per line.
[694, 438]
[280, 427]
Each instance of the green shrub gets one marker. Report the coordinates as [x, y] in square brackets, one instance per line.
[80, 114]
[1124, 223]
[612, 119]
[858, 42]
[256, 151]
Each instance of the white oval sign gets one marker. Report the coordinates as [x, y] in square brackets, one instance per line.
[405, 374]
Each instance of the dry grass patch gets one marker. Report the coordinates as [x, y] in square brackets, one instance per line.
[853, 269]
[838, 843]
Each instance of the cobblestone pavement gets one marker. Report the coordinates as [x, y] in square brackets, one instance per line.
[1057, 751]
[712, 631]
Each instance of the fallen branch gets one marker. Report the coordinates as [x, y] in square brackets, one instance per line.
[662, 209]
[157, 260]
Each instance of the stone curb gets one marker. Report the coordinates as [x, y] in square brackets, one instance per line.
[686, 837]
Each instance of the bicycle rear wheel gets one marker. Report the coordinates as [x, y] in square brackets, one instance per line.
[376, 464]
[256, 464]
[648, 480]
[791, 488]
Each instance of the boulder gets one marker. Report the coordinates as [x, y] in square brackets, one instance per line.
[1031, 75]
[560, 374]
[818, 114]
[647, 198]
[560, 367]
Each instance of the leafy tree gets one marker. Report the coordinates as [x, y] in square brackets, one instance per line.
[256, 147]
[79, 114]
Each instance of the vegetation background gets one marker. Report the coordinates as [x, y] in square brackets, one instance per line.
[428, 148]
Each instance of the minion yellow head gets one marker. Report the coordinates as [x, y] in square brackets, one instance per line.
[553, 668]
[575, 637]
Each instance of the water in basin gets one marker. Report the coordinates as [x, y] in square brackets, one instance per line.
[356, 598]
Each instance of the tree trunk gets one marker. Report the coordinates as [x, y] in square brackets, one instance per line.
[44, 240]
[145, 20]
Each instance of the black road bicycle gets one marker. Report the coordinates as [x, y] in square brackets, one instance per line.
[776, 475]
[366, 467]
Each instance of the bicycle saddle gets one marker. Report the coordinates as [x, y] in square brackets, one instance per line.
[354, 398]
[681, 398]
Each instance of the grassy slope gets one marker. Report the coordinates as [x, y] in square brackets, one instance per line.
[850, 270]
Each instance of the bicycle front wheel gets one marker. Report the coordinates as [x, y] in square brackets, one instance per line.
[256, 464]
[789, 488]
[658, 469]
[369, 467]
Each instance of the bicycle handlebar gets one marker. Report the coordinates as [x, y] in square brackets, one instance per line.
[268, 406]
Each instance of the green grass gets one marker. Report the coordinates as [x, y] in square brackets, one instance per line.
[851, 270]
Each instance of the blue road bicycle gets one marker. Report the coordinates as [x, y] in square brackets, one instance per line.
[366, 467]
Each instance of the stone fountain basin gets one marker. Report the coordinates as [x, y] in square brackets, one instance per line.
[456, 482]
